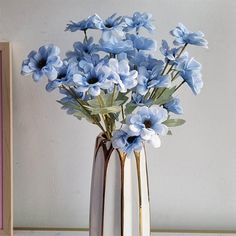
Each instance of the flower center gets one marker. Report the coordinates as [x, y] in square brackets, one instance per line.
[131, 139]
[42, 63]
[86, 50]
[147, 123]
[108, 25]
[61, 76]
[92, 80]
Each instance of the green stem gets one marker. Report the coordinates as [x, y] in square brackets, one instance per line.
[179, 85]
[176, 75]
[160, 93]
[180, 53]
[167, 63]
[105, 118]
[85, 36]
[122, 112]
[113, 95]
[162, 73]
[94, 119]
[174, 78]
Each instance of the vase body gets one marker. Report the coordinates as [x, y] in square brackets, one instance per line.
[119, 198]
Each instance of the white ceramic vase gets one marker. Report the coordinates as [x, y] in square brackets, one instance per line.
[119, 200]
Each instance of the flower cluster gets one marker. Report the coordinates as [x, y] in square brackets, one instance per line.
[119, 80]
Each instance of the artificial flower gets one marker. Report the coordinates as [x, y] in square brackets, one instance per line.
[92, 22]
[113, 27]
[64, 76]
[184, 36]
[120, 74]
[142, 43]
[126, 140]
[88, 47]
[116, 47]
[140, 100]
[148, 121]
[169, 53]
[151, 79]
[91, 78]
[174, 106]
[42, 63]
[190, 70]
[139, 20]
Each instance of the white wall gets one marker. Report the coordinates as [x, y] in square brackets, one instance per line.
[193, 174]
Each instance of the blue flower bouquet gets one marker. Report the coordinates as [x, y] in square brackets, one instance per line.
[119, 85]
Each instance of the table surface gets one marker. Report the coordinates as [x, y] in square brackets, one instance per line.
[77, 233]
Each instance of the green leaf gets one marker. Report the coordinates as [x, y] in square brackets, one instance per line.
[158, 92]
[119, 99]
[102, 104]
[79, 111]
[165, 96]
[114, 116]
[122, 97]
[129, 108]
[174, 122]
[119, 102]
[93, 103]
[103, 110]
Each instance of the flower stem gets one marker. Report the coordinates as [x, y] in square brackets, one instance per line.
[122, 112]
[170, 69]
[162, 73]
[113, 95]
[167, 63]
[85, 36]
[175, 76]
[179, 85]
[180, 53]
[93, 118]
[105, 118]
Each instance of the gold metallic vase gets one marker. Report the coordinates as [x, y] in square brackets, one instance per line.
[119, 200]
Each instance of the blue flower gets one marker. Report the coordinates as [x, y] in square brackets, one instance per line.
[169, 53]
[64, 76]
[138, 58]
[120, 74]
[190, 70]
[115, 47]
[126, 141]
[147, 122]
[139, 20]
[87, 60]
[113, 29]
[174, 106]
[184, 36]
[44, 62]
[140, 100]
[151, 79]
[92, 78]
[81, 49]
[113, 23]
[92, 22]
[142, 43]
[141, 58]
